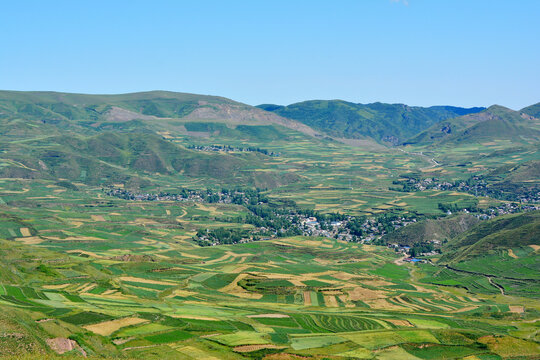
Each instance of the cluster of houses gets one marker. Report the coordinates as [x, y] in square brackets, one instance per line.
[477, 186]
[228, 148]
[217, 196]
[371, 228]
[504, 209]
[347, 229]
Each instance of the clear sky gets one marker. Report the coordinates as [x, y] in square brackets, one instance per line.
[418, 52]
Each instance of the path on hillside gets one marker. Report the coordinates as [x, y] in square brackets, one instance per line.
[495, 284]
[432, 161]
[487, 275]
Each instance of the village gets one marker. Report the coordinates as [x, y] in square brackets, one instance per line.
[475, 185]
[271, 222]
[228, 148]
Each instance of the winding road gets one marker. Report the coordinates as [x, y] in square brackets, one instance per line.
[433, 162]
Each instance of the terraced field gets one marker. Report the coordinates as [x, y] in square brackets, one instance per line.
[124, 278]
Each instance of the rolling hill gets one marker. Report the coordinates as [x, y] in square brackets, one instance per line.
[500, 233]
[391, 123]
[431, 229]
[131, 158]
[102, 139]
[154, 109]
[494, 123]
[532, 110]
[503, 251]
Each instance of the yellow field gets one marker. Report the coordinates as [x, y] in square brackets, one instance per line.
[145, 281]
[108, 327]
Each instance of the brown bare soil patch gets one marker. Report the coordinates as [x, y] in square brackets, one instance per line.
[223, 258]
[376, 282]
[343, 276]
[516, 309]
[62, 345]
[511, 254]
[56, 286]
[360, 293]
[83, 252]
[409, 305]
[466, 308]
[25, 232]
[143, 221]
[330, 301]
[33, 240]
[307, 298]
[535, 247]
[209, 335]
[399, 322]
[383, 304]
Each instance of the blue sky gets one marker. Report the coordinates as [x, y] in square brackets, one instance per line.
[418, 52]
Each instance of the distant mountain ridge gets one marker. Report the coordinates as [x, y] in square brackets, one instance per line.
[93, 110]
[392, 123]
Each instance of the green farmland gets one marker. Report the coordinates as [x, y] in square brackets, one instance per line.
[168, 235]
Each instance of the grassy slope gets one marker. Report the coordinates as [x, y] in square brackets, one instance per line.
[427, 230]
[494, 123]
[111, 158]
[101, 139]
[389, 122]
[511, 231]
[532, 110]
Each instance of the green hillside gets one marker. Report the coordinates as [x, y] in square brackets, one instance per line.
[501, 233]
[494, 123]
[498, 256]
[133, 158]
[429, 230]
[133, 138]
[155, 109]
[532, 110]
[391, 123]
